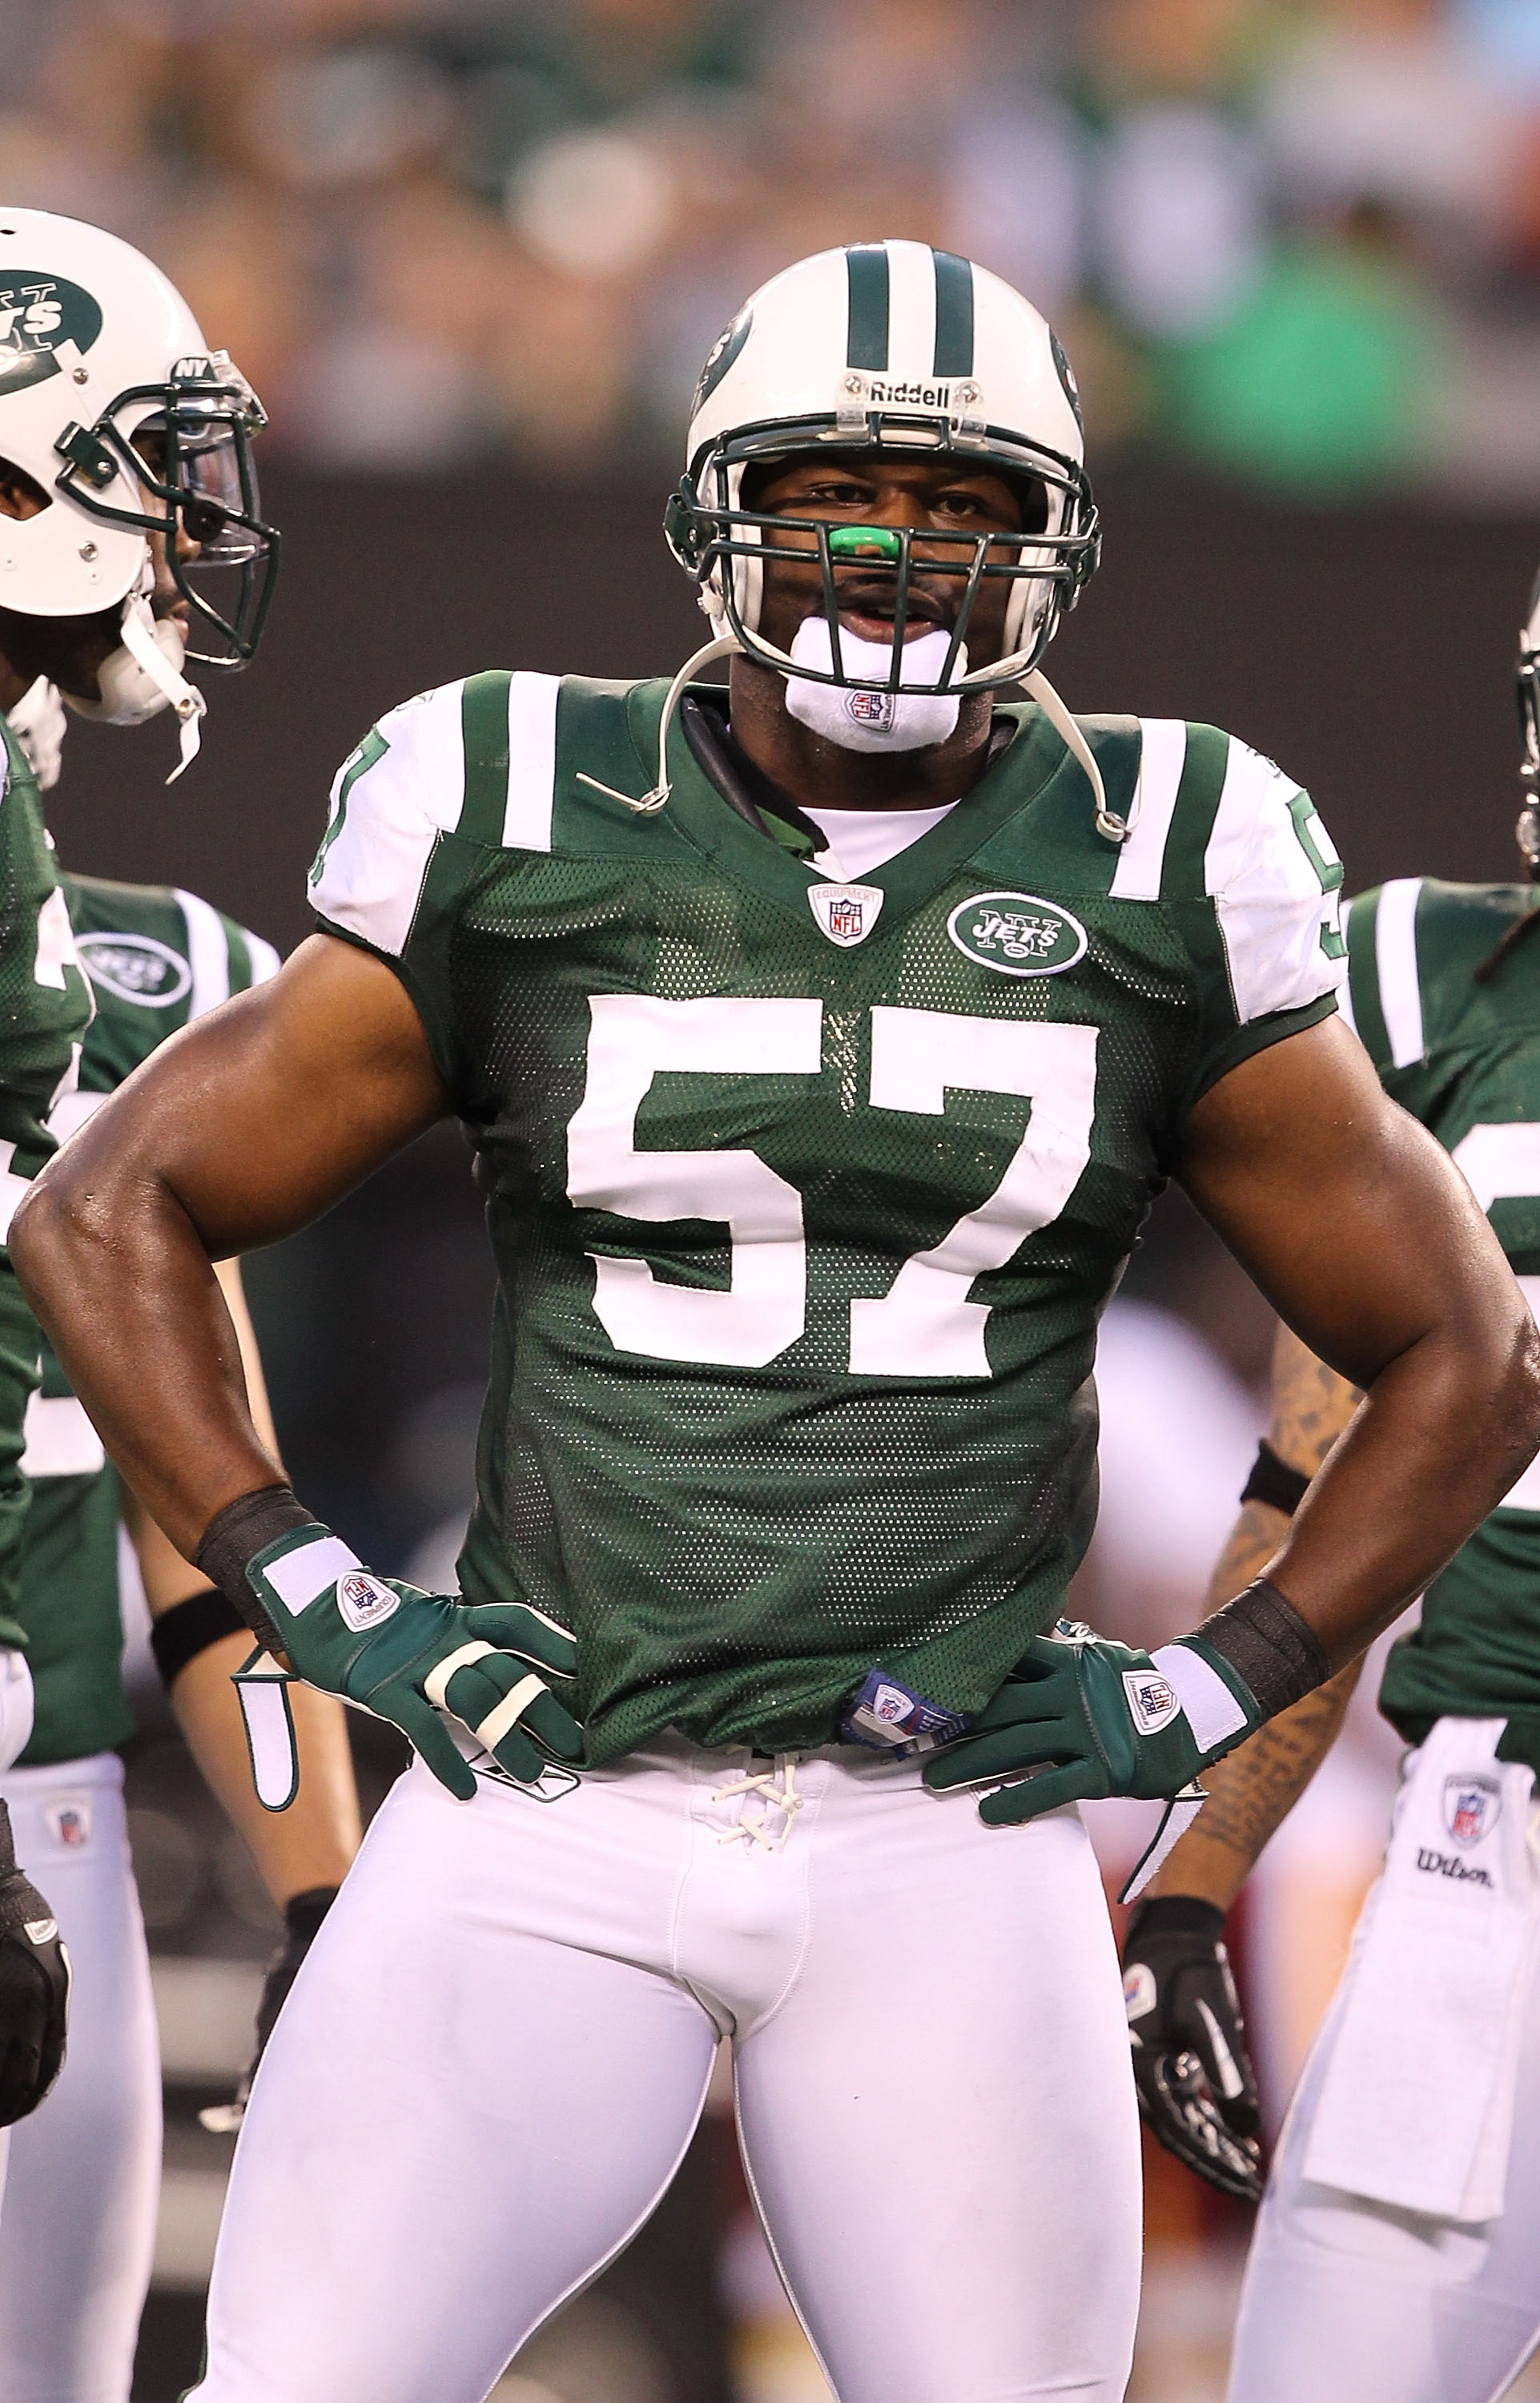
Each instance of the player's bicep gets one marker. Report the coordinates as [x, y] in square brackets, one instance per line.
[263, 1114]
[1350, 1217]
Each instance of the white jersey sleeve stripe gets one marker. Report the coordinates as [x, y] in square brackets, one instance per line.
[1344, 990]
[1395, 960]
[532, 761]
[1273, 878]
[208, 953]
[1162, 756]
[265, 962]
[403, 787]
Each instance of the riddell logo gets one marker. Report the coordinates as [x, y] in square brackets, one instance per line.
[1450, 1865]
[919, 395]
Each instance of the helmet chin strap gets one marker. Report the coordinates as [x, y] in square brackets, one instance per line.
[143, 677]
[1108, 823]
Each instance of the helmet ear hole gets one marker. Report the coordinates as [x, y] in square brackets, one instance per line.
[22, 495]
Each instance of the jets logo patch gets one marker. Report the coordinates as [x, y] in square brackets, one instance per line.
[1153, 1703]
[846, 913]
[37, 312]
[1472, 1805]
[1017, 933]
[134, 968]
[363, 1602]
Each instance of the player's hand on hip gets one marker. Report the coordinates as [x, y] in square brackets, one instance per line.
[1089, 1719]
[415, 1657]
[1191, 2068]
[35, 1989]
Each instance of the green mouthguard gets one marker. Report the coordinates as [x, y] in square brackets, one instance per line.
[848, 542]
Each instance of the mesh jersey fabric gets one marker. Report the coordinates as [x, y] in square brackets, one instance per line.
[801, 1243]
[1464, 1058]
[156, 958]
[45, 1004]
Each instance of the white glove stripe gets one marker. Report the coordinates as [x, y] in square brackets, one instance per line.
[299, 1575]
[1213, 1712]
[509, 1711]
[435, 1685]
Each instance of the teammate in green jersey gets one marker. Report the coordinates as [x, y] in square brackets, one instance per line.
[91, 589]
[1395, 2260]
[822, 1045]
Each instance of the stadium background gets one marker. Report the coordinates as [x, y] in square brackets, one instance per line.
[472, 254]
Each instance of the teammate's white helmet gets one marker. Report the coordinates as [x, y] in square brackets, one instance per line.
[897, 345]
[127, 425]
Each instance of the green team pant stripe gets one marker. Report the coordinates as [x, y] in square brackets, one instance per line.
[1363, 977]
[1203, 770]
[953, 314]
[867, 339]
[484, 718]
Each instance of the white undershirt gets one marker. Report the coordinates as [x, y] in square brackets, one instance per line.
[859, 841]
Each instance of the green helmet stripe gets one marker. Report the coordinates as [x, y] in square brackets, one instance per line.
[953, 314]
[867, 339]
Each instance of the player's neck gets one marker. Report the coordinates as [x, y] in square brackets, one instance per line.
[818, 775]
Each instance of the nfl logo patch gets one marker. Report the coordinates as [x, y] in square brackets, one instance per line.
[869, 708]
[846, 913]
[67, 1819]
[1471, 1807]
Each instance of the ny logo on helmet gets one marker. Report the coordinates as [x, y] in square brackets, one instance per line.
[37, 312]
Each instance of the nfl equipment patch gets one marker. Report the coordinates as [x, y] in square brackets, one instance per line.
[887, 1715]
[1152, 1701]
[1471, 1807]
[67, 1818]
[846, 913]
[363, 1601]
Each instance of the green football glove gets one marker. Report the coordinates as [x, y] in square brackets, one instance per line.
[407, 1656]
[1095, 1719]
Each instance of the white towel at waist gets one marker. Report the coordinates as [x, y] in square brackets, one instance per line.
[1416, 2107]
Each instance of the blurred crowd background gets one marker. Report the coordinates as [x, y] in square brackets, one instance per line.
[1296, 239]
[472, 253]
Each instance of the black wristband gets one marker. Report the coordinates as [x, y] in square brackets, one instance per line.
[235, 1536]
[188, 1627]
[1274, 1483]
[1175, 1914]
[1277, 1655]
[304, 1912]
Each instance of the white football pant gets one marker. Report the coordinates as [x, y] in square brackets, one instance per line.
[1349, 2300]
[83, 2180]
[498, 2049]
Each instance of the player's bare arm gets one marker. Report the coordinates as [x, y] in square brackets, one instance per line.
[1370, 1245]
[319, 1076]
[243, 1129]
[1252, 1791]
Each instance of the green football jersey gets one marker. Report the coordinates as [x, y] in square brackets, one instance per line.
[1464, 1058]
[45, 1004]
[805, 1196]
[155, 960]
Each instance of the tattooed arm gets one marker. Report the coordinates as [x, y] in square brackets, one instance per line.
[1253, 1789]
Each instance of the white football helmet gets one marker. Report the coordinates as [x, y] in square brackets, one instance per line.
[889, 344]
[125, 425]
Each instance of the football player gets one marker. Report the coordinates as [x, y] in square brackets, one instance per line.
[823, 1043]
[1394, 2258]
[98, 335]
